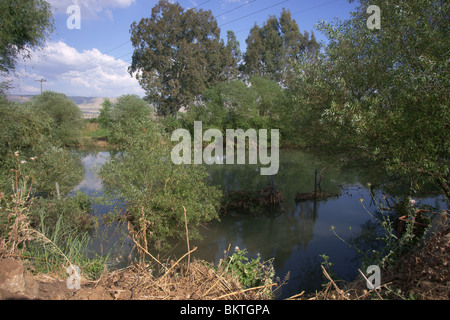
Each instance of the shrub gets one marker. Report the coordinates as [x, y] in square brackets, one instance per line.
[144, 176]
[76, 211]
[126, 117]
[250, 272]
[57, 165]
[65, 115]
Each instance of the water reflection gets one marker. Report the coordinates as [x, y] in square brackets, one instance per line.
[109, 239]
[295, 239]
[92, 184]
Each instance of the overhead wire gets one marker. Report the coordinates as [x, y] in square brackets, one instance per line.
[226, 12]
[250, 14]
[298, 12]
[129, 41]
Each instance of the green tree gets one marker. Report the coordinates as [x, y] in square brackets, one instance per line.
[126, 117]
[273, 48]
[30, 132]
[65, 115]
[382, 95]
[239, 105]
[155, 190]
[104, 117]
[234, 55]
[177, 55]
[24, 26]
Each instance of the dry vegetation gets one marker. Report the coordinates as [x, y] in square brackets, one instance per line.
[423, 275]
[135, 282]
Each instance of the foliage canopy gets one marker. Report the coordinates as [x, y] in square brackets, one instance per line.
[24, 26]
[382, 95]
[177, 55]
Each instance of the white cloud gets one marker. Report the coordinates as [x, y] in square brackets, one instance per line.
[87, 73]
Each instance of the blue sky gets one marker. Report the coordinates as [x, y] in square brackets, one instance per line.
[93, 60]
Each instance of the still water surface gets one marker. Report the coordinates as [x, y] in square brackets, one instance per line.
[295, 238]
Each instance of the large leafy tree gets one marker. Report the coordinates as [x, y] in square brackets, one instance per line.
[177, 55]
[24, 26]
[382, 94]
[273, 48]
[255, 104]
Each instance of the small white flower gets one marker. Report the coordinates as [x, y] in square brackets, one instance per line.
[16, 153]
[236, 248]
[23, 162]
[412, 201]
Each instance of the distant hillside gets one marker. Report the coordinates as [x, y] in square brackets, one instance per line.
[86, 104]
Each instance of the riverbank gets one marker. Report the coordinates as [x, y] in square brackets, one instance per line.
[423, 275]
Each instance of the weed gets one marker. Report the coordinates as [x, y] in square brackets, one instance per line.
[250, 272]
[391, 237]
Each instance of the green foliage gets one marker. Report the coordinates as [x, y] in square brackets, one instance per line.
[155, 190]
[28, 130]
[57, 245]
[21, 128]
[236, 105]
[24, 26]
[328, 265]
[125, 117]
[250, 272]
[129, 107]
[274, 47]
[14, 207]
[234, 55]
[380, 241]
[53, 232]
[55, 164]
[74, 210]
[178, 54]
[65, 116]
[104, 117]
[381, 95]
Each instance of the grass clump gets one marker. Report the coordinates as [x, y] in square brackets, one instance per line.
[50, 233]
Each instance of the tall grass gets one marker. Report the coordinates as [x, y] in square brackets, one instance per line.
[54, 243]
[56, 247]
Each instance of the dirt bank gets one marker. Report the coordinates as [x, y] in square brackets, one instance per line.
[423, 274]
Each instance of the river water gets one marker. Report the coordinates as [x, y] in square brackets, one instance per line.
[295, 238]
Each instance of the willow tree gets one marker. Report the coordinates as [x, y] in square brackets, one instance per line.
[177, 55]
[382, 94]
[24, 26]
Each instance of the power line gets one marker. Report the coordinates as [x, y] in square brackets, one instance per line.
[99, 65]
[315, 7]
[201, 4]
[129, 41]
[231, 10]
[297, 12]
[82, 64]
[250, 14]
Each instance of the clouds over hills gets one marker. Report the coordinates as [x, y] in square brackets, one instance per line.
[89, 73]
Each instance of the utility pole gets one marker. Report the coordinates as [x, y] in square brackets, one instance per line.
[41, 80]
